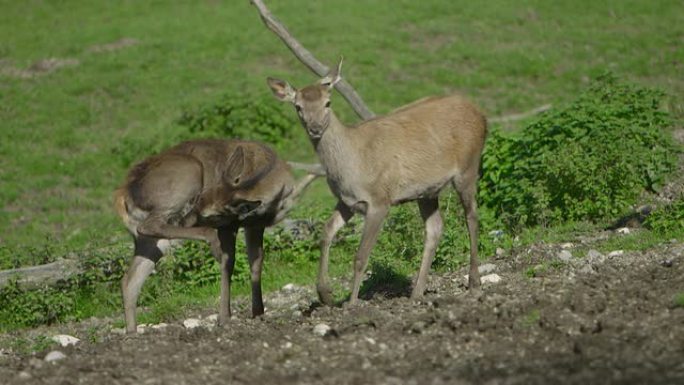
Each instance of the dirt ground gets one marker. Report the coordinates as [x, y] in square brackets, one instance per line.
[589, 320]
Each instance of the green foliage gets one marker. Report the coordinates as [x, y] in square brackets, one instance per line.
[34, 307]
[587, 161]
[667, 219]
[678, 300]
[241, 116]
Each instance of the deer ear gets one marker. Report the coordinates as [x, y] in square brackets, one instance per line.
[333, 75]
[236, 166]
[282, 90]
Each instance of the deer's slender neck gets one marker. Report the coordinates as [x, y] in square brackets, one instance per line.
[335, 149]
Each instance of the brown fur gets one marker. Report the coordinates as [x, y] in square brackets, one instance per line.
[204, 190]
[410, 154]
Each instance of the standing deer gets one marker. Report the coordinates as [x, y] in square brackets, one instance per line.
[204, 190]
[410, 154]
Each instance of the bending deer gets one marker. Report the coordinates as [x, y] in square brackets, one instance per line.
[410, 154]
[204, 190]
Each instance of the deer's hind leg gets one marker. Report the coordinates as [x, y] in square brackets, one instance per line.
[148, 251]
[429, 211]
[467, 192]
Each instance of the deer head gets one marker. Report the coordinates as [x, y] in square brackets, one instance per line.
[312, 103]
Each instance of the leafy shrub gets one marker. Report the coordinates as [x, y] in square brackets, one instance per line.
[668, 219]
[241, 116]
[34, 307]
[587, 161]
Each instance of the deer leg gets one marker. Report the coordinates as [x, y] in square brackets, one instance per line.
[429, 211]
[337, 220]
[227, 237]
[147, 252]
[156, 226]
[468, 199]
[254, 238]
[371, 228]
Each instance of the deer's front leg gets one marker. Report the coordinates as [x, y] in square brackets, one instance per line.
[371, 228]
[337, 220]
[227, 237]
[254, 238]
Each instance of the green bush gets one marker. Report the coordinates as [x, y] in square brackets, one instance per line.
[667, 219]
[587, 161]
[241, 116]
[19, 306]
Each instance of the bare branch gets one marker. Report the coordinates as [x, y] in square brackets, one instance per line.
[37, 276]
[520, 116]
[306, 57]
[311, 168]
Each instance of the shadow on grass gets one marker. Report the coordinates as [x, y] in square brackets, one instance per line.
[385, 281]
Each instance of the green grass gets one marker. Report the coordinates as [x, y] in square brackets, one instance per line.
[61, 133]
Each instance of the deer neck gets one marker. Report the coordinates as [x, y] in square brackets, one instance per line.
[334, 147]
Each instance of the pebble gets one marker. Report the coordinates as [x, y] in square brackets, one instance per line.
[160, 326]
[65, 339]
[24, 375]
[290, 287]
[500, 252]
[321, 329]
[586, 269]
[54, 355]
[594, 256]
[616, 253]
[564, 255]
[486, 268]
[567, 245]
[490, 278]
[192, 323]
[623, 230]
[666, 263]
[213, 318]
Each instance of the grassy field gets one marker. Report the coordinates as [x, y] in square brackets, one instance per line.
[87, 86]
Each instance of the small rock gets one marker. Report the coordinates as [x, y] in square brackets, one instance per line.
[490, 278]
[496, 233]
[486, 268]
[623, 230]
[24, 375]
[290, 287]
[54, 355]
[213, 318]
[297, 314]
[594, 256]
[370, 340]
[666, 263]
[159, 326]
[615, 253]
[118, 331]
[418, 327]
[287, 345]
[500, 252]
[321, 329]
[192, 323]
[567, 245]
[586, 269]
[382, 346]
[366, 364]
[564, 255]
[65, 340]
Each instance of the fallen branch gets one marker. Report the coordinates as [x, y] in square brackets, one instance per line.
[520, 116]
[306, 57]
[42, 275]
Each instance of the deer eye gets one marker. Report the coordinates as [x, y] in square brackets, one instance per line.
[327, 104]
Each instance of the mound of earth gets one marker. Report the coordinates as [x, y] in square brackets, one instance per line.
[552, 318]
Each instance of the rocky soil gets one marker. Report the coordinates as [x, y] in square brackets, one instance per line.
[558, 314]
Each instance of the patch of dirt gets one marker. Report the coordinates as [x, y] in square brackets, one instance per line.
[38, 68]
[598, 319]
[114, 46]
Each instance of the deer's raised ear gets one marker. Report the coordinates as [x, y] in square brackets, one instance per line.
[236, 166]
[333, 76]
[282, 89]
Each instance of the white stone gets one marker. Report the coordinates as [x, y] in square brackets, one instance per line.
[287, 345]
[567, 245]
[486, 268]
[212, 318]
[623, 230]
[615, 253]
[496, 233]
[564, 255]
[54, 355]
[192, 323]
[490, 278]
[289, 287]
[594, 256]
[370, 340]
[159, 326]
[140, 329]
[321, 329]
[65, 340]
[500, 252]
[24, 375]
[119, 331]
